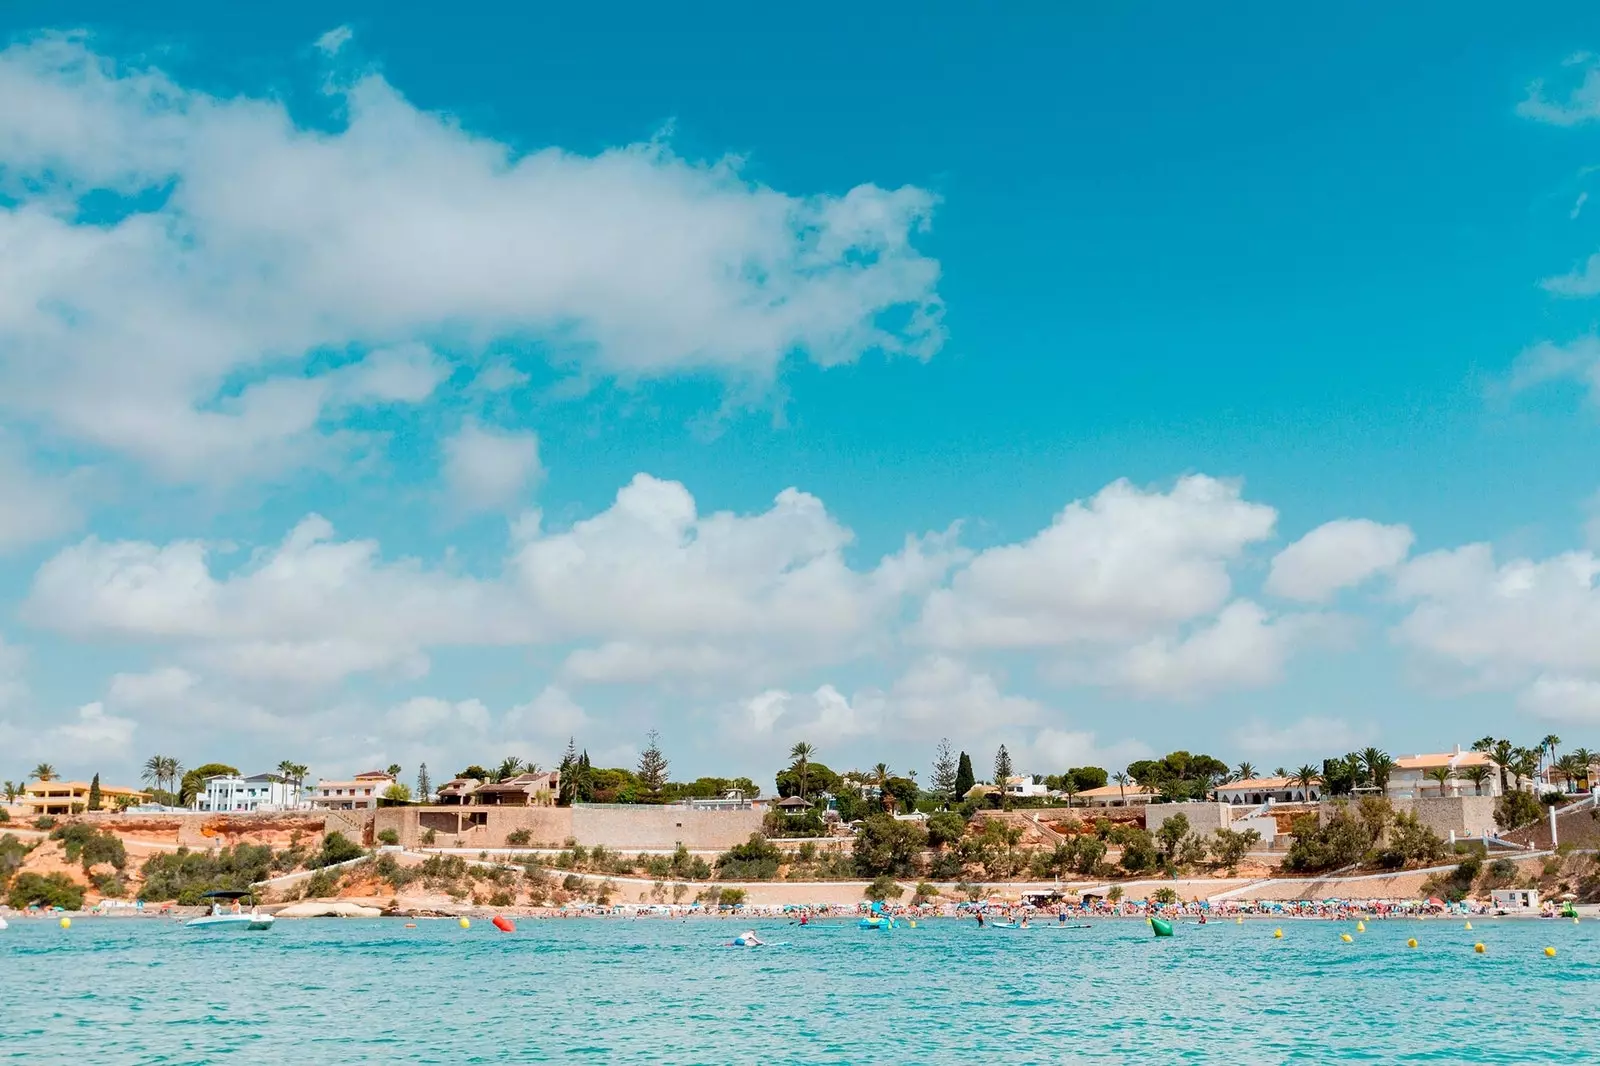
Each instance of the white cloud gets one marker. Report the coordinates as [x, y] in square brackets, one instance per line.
[330, 43]
[94, 733]
[12, 687]
[1336, 555]
[1310, 738]
[32, 508]
[487, 468]
[1581, 281]
[1122, 567]
[1243, 647]
[422, 716]
[1577, 205]
[183, 331]
[1548, 361]
[1558, 698]
[1503, 623]
[1580, 104]
[553, 713]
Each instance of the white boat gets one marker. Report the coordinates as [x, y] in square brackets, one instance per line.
[222, 920]
[2, 923]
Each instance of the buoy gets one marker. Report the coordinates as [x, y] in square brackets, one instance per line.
[1361, 927]
[411, 925]
[504, 924]
[1347, 938]
[1277, 934]
[1469, 925]
[66, 923]
[1238, 921]
[1411, 943]
[911, 923]
[463, 923]
[1478, 947]
[1162, 928]
[1550, 952]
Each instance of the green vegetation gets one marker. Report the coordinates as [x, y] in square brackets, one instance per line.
[946, 828]
[883, 888]
[519, 838]
[52, 890]
[755, 860]
[887, 846]
[1179, 776]
[1165, 895]
[194, 782]
[89, 845]
[44, 822]
[12, 852]
[184, 875]
[1231, 846]
[1517, 809]
[391, 837]
[336, 848]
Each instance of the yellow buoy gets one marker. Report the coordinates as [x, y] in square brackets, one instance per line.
[1277, 934]
[464, 924]
[1347, 938]
[912, 924]
[1238, 921]
[1551, 952]
[1469, 925]
[1361, 927]
[1478, 947]
[1411, 943]
[66, 923]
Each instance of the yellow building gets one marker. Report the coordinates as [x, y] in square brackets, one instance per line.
[72, 797]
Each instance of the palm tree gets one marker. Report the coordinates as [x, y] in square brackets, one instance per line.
[1585, 759]
[394, 771]
[1483, 744]
[1378, 766]
[801, 755]
[1502, 752]
[13, 790]
[1524, 764]
[509, 767]
[1278, 771]
[44, 772]
[1549, 744]
[1442, 774]
[1244, 772]
[1069, 785]
[1305, 777]
[1479, 776]
[1122, 781]
[880, 775]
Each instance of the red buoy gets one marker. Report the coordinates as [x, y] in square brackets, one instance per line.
[504, 924]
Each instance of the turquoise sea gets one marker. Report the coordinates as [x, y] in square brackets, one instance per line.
[112, 992]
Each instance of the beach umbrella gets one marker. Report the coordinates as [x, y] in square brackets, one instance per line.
[1435, 901]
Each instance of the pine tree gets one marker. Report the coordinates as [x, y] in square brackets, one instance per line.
[583, 787]
[1002, 771]
[944, 770]
[964, 778]
[424, 785]
[567, 787]
[94, 793]
[653, 766]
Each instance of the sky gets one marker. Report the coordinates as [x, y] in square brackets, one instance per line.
[380, 385]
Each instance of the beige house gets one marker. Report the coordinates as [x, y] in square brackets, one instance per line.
[1117, 796]
[524, 790]
[72, 797]
[362, 793]
[1411, 780]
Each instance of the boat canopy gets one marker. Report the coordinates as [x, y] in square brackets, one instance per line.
[226, 893]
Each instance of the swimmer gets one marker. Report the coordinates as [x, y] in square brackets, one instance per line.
[747, 939]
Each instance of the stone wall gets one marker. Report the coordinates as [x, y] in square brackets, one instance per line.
[204, 830]
[1204, 818]
[1467, 816]
[624, 828]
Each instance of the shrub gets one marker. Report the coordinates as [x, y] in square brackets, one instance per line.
[519, 838]
[91, 846]
[572, 883]
[336, 848]
[1165, 895]
[52, 890]
[389, 837]
[883, 888]
[755, 860]
[5, 816]
[1502, 872]
[428, 838]
[502, 898]
[322, 883]
[12, 852]
[1517, 809]
[1138, 850]
[1230, 846]
[887, 846]
[184, 875]
[924, 893]
[43, 822]
[110, 885]
[1344, 841]
[730, 897]
[945, 867]
[946, 827]
[1411, 843]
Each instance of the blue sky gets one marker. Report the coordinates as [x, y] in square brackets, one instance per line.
[944, 274]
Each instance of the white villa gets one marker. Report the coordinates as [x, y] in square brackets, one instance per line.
[360, 794]
[1024, 785]
[229, 792]
[1410, 779]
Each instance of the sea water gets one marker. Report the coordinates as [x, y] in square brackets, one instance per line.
[118, 991]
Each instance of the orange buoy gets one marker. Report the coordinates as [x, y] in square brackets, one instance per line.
[504, 924]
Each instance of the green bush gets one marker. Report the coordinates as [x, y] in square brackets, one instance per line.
[885, 845]
[1517, 809]
[12, 852]
[91, 846]
[184, 875]
[1344, 841]
[519, 838]
[1138, 850]
[502, 898]
[5, 816]
[1411, 843]
[730, 897]
[389, 837]
[946, 827]
[52, 890]
[1165, 895]
[924, 893]
[44, 822]
[320, 884]
[756, 859]
[336, 848]
[883, 888]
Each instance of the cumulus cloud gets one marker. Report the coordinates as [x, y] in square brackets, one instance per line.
[643, 580]
[424, 715]
[199, 326]
[1242, 647]
[487, 468]
[1336, 555]
[1527, 625]
[1124, 565]
[33, 508]
[93, 733]
[1310, 738]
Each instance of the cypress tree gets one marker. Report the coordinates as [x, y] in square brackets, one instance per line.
[94, 793]
[964, 778]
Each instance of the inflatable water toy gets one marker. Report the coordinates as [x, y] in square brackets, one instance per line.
[748, 939]
[504, 924]
[1161, 926]
[876, 922]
